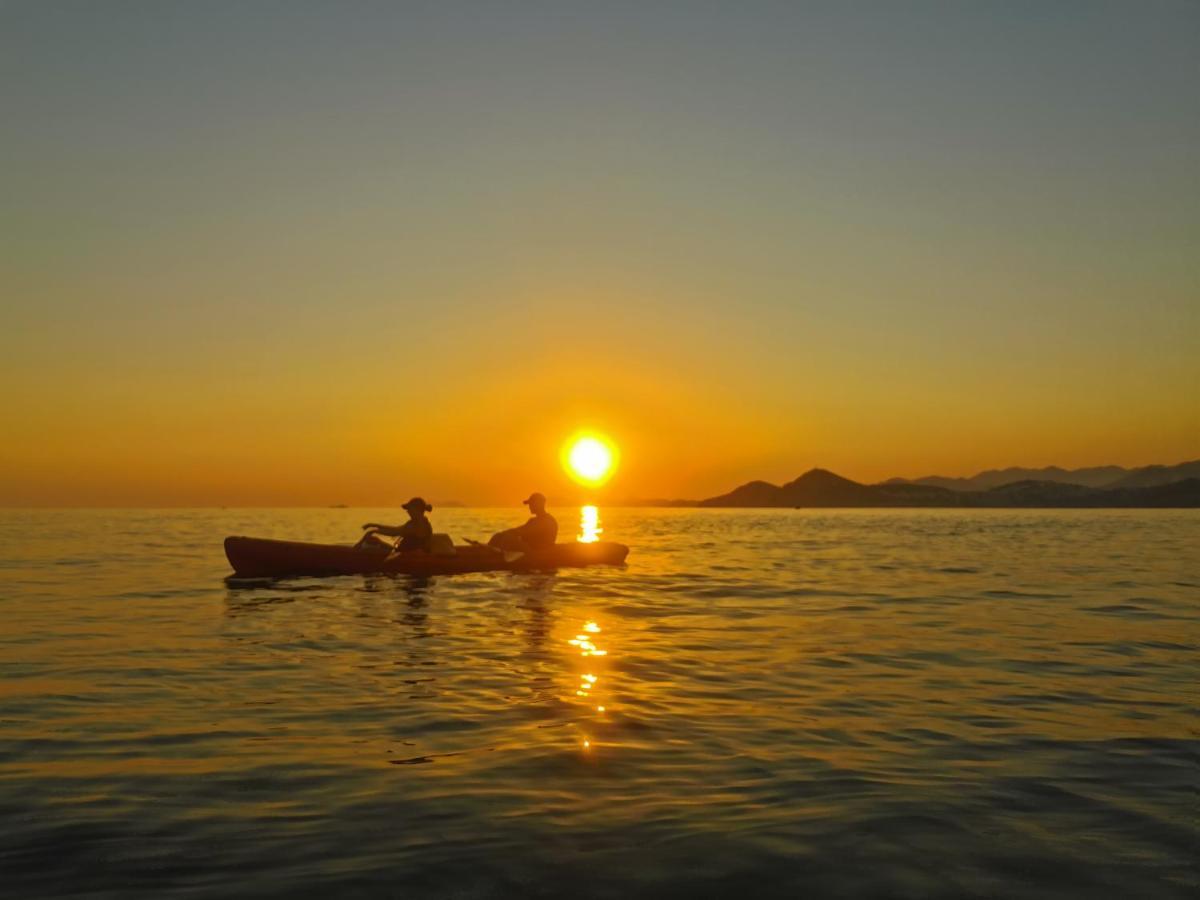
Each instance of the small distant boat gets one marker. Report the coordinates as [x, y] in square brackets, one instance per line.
[262, 558]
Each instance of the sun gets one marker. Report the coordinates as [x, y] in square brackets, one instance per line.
[589, 459]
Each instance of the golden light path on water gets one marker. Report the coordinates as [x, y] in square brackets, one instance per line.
[585, 645]
[589, 525]
[585, 641]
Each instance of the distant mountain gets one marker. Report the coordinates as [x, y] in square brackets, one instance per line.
[753, 493]
[817, 487]
[1153, 476]
[1036, 493]
[1095, 477]
[1177, 494]
[821, 488]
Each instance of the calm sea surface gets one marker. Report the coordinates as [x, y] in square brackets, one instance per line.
[761, 703]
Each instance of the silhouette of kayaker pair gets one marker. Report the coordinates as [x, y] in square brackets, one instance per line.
[539, 533]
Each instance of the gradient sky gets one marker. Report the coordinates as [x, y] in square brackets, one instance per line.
[293, 253]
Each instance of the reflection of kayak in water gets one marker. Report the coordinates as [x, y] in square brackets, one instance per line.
[262, 558]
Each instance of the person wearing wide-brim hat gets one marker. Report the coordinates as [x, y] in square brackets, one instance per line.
[415, 534]
[539, 532]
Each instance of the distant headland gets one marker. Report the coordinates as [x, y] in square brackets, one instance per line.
[1051, 487]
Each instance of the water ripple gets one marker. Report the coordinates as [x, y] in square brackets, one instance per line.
[774, 703]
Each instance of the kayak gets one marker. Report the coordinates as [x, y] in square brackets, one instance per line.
[263, 558]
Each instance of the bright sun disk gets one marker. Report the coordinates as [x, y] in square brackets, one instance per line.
[589, 459]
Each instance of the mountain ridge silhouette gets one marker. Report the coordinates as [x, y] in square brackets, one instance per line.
[1091, 476]
[1147, 486]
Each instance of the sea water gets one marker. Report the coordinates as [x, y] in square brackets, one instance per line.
[759, 704]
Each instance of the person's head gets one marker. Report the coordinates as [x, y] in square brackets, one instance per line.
[416, 508]
[536, 503]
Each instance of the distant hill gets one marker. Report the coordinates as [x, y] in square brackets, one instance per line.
[1177, 494]
[1153, 476]
[1036, 493]
[753, 493]
[817, 487]
[1095, 477]
[822, 488]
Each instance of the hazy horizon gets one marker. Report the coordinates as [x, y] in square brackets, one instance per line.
[573, 496]
[300, 253]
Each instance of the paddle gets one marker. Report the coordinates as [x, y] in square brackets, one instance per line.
[509, 555]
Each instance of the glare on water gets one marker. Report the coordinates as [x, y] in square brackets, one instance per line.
[584, 643]
[589, 525]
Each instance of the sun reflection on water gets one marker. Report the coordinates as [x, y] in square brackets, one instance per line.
[591, 674]
[586, 646]
[589, 525]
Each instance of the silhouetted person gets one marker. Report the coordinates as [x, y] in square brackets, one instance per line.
[539, 532]
[415, 534]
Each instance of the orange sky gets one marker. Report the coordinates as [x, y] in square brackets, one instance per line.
[303, 259]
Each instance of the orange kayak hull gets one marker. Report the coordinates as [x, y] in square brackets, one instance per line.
[264, 558]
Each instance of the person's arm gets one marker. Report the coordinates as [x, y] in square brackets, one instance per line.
[539, 529]
[390, 530]
[501, 539]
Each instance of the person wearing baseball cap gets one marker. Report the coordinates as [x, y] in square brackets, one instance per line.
[539, 532]
[415, 534]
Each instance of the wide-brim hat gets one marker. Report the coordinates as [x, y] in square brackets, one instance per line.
[417, 503]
